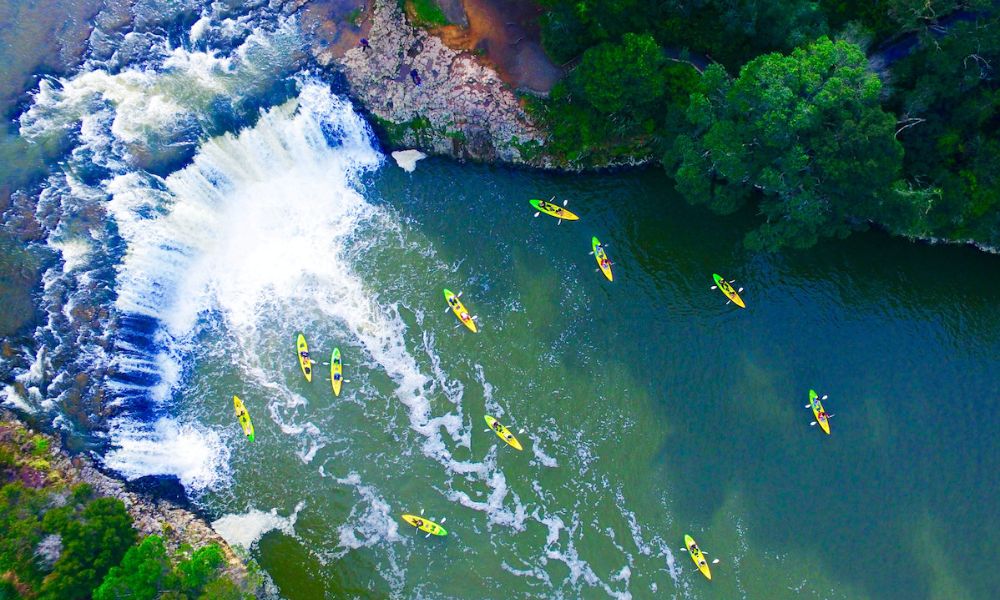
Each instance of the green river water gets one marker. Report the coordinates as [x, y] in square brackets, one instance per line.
[658, 409]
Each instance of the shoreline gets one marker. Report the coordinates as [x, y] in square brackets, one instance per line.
[152, 513]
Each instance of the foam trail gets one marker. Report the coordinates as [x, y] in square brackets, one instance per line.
[246, 529]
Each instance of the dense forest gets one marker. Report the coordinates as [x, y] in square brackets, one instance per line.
[827, 117]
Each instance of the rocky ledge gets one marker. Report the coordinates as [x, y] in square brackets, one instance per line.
[424, 94]
[176, 525]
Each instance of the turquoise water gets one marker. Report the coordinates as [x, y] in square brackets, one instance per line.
[180, 265]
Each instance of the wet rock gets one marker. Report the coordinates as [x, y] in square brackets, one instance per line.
[460, 107]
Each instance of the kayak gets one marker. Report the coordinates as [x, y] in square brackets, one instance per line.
[459, 309]
[728, 290]
[303, 354]
[697, 556]
[244, 418]
[600, 255]
[553, 210]
[425, 525]
[336, 371]
[503, 433]
[817, 407]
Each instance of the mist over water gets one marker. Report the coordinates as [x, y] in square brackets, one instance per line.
[212, 196]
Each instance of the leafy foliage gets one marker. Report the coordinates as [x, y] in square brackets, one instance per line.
[63, 544]
[614, 102]
[731, 31]
[804, 133]
[91, 546]
[950, 97]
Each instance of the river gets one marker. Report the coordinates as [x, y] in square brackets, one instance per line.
[207, 196]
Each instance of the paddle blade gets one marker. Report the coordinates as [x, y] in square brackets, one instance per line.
[565, 202]
[715, 562]
[443, 519]
[713, 288]
[739, 290]
[812, 424]
[824, 397]
[536, 215]
[684, 549]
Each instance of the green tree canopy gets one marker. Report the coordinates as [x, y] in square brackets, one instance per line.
[949, 96]
[618, 99]
[91, 546]
[143, 572]
[804, 133]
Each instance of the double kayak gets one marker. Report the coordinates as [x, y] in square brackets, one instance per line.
[503, 433]
[728, 290]
[244, 418]
[304, 360]
[425, 525]
[553, 210]
[697, 556]
[336, 371]
[602, 258]
[460, 311]
[817, 406]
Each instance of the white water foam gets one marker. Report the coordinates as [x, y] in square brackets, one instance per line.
[246, 529]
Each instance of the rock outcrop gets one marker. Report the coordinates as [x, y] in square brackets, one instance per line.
[423, 94]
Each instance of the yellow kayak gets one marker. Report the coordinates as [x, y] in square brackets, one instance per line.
[602, 258]
[817, 406]
[425, 525]
[460, 311]
[553, 210]
[304, 360]
[728, 290]
[697, 556]
[244, 418]
[336, 371]
[503, 433]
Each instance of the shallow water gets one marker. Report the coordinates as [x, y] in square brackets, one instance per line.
[210, 233]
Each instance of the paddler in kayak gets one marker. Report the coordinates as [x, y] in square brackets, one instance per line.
[497, 427]
[306, 361]
[696, 551]
[241, 412]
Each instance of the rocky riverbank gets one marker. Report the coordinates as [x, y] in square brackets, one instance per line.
[423, 94]
[38, 460]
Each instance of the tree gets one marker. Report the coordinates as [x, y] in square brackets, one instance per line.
[618, 99]
[91, 546]
[143, 572]
[948, 93]
[803, 133]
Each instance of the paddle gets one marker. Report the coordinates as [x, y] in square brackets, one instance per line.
[714, 562]
[828, 417]
[823, 398]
